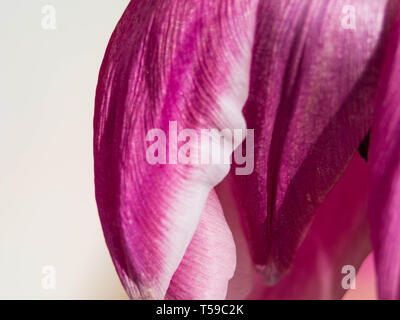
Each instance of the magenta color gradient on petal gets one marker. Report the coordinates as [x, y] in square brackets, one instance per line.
[169, 60]
[338, 236]
[311, 97]
[385, 161]
[209, 261]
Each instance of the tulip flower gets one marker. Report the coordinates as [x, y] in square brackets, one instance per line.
[313, 80]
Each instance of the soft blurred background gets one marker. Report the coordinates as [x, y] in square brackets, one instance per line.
[51, 243]
[47, 209]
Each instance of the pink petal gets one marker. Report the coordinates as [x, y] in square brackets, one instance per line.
[167, 61]
[209, 261]
[338, 237]
[385, 161]
[366, 282]
[310, 103]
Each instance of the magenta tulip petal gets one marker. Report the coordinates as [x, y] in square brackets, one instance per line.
[209, 261]
[170, 65]
[385, 161]
[338, 237]
[311, 104]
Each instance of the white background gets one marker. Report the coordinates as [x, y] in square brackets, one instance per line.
[48, 213]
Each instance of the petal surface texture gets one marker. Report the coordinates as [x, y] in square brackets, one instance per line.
[170, 65]
[338, 237]
[313, 80]
[385, 187]
[210, 260]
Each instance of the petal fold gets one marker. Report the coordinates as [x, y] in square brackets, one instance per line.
[338, 238]
[313, 81]
[210, 260]
[169, 66]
